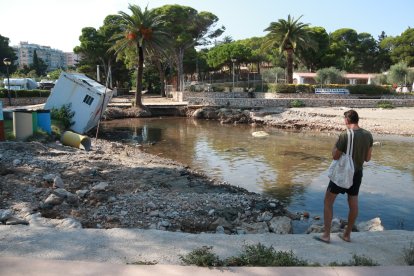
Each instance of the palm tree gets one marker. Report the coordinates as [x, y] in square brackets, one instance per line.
[288, 36]
[142, 32]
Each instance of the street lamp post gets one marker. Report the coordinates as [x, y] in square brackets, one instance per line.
[7, 62]
[233, 60]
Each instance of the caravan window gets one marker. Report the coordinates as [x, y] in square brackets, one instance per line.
[88, 100]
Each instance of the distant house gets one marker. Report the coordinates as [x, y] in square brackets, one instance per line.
[309, 78]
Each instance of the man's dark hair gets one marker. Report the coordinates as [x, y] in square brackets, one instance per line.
[352, 116]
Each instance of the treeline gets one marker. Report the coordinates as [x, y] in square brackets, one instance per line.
[145, 48]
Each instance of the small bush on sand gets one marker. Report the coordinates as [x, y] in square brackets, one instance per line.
[357, 261]
[409, 254]
[202, 257]
[385, 104]
[297, 103]
[260, 255]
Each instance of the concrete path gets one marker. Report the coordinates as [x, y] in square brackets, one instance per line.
[12, 266]
[123, 246]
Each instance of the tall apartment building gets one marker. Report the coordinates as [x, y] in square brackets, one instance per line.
[71, 59]
[54, 58]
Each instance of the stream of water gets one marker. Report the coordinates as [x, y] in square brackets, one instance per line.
[290, 166]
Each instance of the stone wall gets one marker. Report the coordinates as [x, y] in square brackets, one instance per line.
[258, 99]
[309, 102]
[23, 101]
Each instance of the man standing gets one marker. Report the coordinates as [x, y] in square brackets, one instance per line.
[361, 153]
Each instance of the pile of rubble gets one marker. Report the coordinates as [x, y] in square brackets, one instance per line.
[119, 186]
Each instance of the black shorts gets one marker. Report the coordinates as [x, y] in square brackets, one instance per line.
[352, 191]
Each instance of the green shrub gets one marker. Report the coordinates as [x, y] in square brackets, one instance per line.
[201, 257]
[296, 103]
[260, 255]
[409, 254]
[369, 89]
[304, 88]
[217, 88]
[25, 93]
[385, 104]
[357, 261]
[329, 75]
[64, 115]
[282, 88]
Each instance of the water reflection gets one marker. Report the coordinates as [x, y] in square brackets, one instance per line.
[289, 166]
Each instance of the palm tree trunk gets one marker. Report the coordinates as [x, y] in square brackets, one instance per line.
[289, 61]
[140, 69]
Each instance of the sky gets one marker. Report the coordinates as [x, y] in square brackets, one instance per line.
[58, 23]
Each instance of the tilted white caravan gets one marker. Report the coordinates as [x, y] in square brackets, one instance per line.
[88, 99]
[20, 84]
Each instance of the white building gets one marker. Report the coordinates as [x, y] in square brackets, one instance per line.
[72, 59]
[54, 58]
[309, 78]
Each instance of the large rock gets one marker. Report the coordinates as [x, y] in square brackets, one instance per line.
[260, 134]
[265, 216]
[54, 200]
[198, 114]
[253, 228]
[100, 187]
[61, 193]
[69, 223]
[315, 228]
[220, 222]
[58, 182]
[5, 214]
[373, 225]
[16, 221]
[49, 178]
[281, 225]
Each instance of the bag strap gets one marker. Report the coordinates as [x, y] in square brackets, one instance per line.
[350, 144]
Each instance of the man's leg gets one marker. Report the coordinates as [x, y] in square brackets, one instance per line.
[353, 214]
[328, 214]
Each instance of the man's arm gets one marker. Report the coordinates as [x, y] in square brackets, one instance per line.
[368, 156]
[336, 153]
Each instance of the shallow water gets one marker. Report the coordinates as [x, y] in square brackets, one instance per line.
[290, 166]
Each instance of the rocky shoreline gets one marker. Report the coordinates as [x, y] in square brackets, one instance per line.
[119, 186]
[397, 121]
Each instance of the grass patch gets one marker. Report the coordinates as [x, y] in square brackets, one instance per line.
[202, 257]
[409, 254]
[39, 135]
[252, 255]
[296, 103]
[260, 255]
[357, 261]
[385, 104]
[143, 263]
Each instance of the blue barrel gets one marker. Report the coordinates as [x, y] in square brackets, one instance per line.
[34, 121]
[2, 136]
[43, 121]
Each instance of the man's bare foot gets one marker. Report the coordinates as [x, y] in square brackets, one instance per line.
[344, 238]
[321, 239]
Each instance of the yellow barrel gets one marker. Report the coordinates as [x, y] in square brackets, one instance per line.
[76, 140]
[22, 124]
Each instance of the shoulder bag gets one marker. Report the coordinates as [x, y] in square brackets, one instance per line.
[341, 171]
